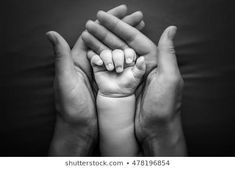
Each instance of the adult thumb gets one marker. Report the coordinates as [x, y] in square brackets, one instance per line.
[166, 58]
[63, 59]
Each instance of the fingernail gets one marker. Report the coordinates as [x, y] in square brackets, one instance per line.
[141, 59]
[171, 33]
[89, 24]
[110, 66]
[119, 69]
[99, 13]
[100, 62]
[140, 13]
[128, 60]
[51, 37]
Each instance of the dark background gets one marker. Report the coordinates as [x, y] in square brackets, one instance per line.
[205, 46]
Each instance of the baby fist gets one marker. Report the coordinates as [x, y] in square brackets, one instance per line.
[117, 73]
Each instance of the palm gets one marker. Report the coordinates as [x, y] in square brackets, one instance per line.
[145, 113]
[112, 83]
[160, 92]
[78, 53]
[74, 90]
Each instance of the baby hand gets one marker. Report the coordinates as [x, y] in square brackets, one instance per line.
[116, 72]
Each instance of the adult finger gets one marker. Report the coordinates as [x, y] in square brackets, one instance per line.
[134, 38]
[105, 36]
[63, 61]
[134, 19]
[119, 11]
[93, 43]
[167, 61]
[140, 26]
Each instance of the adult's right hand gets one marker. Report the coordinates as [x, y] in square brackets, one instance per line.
[158, 122]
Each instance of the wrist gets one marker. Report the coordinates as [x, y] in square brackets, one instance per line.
[115, 113]
[116, 125]
[166, 139]
[114, 95]
[115, 103]
[73, 139]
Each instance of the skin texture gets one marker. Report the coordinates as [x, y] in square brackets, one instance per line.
[116, 125]
[157, 121]
[112, 83]
[76, 126]
[116, 89]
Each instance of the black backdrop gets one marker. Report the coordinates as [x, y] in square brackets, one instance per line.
[205, 51]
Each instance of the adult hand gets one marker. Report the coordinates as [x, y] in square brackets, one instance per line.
[76, 127]
[157, 122]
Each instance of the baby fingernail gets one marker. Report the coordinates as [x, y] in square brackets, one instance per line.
[110, 66]
[128, 60]
[100, 62]
[119, 69]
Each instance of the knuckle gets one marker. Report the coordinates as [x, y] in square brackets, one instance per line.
[105, 36]
[166, 47]
[171, 50]
[132, 38]
[123, 46]
[115, 24]
[100, 50]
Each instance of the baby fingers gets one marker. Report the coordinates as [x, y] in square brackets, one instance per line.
[118, 59]
[106, 56]
[130, 55]
[95, 60]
